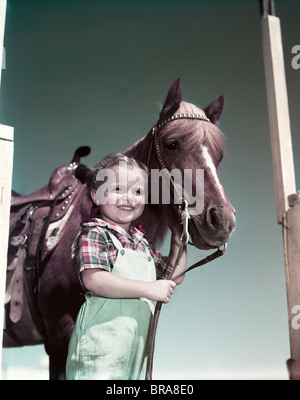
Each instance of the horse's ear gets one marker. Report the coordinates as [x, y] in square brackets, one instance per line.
[214, 110]
[172, 101]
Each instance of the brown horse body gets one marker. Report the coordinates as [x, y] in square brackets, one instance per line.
[185, 144]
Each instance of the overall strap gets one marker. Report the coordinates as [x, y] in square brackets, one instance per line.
[115, 240]
[119, 246]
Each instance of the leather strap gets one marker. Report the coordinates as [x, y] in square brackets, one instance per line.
[202, 262]
[14, 291]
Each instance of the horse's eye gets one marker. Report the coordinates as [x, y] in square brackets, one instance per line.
[172, 145]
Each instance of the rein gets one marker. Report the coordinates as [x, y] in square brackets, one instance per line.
[184, 217]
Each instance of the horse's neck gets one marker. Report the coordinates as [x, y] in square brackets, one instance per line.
[139, 150]
[153, 218]
[85, 204]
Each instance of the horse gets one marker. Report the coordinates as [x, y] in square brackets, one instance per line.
[187, 138]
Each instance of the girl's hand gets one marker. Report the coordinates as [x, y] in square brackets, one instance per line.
[161, 290]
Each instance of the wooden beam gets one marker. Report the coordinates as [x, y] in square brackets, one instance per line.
[6, 164]
[2, 26]
[291, 238]
[279, 120]
[287, 201]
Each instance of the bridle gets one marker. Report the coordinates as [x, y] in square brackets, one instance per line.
[184, 218]
[158, 126]
[178, 198]
[181, 202]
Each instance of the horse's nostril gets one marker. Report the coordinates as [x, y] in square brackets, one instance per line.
[213, 218]
[219, 218]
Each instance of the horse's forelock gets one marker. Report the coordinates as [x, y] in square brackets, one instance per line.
[216, 141]
[196, 132]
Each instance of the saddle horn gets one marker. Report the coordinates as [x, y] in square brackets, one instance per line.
[82, 172]
[82, 151]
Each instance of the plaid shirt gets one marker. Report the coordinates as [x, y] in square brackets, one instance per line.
[93, 247]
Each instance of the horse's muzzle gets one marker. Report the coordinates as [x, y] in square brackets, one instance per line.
[213, 227]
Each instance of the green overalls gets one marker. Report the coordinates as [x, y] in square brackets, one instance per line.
[110, 339]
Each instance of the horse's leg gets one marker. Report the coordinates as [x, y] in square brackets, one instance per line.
[60, 301]
[57, 345]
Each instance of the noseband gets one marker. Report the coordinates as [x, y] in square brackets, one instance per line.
[184, 217]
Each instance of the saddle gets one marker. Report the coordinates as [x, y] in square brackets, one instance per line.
[37, 223]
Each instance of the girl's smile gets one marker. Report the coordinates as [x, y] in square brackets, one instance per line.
[122, 202]
[126, 208]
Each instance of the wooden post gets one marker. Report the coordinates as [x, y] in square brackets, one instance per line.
[279, 118]
[2, 25]
[287, 201]
[291, 238]
[6, 163]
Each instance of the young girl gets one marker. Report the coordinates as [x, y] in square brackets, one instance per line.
[122, 274]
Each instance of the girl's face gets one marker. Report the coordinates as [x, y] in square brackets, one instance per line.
[122, 199]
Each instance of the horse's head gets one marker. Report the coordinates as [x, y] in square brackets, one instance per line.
[196, 144]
